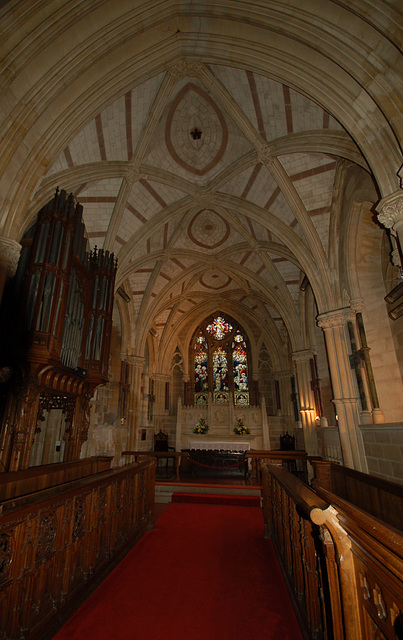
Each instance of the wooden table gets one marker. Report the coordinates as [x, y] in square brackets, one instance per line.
[176, 455]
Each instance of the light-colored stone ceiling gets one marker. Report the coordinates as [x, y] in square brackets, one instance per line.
[197, 214]
[207, 142]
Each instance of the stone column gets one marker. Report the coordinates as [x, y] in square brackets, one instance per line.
[390, 214]
[186, 384]
[333, 325]
[160, 380]
[9, 256]
[178, 440]
[135, 400]
[284, 380]
[302, 361]
[265, 426]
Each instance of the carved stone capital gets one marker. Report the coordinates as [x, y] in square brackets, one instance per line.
[9, 255]
[357, 305]
[161, 377]
[390, 209]
[136, 361]
[186, 68]
[283, 375]
[335, 318]
[302, 356]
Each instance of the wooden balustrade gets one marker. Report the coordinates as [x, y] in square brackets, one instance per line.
[57, 544]
[343, 567]
[17, 483]
[294, 461]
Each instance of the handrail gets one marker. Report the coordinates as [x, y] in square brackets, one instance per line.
[304, 497]
[384, 533]
[378, 497]
[43, 496]
[15, 483]
[289, 458]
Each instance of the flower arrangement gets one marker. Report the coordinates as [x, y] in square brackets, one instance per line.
[241, 429]
[201, 427]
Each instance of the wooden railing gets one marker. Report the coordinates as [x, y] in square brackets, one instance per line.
[18, 483]
[57, 544]
[343, 567]
[293, 461]
[380, 498]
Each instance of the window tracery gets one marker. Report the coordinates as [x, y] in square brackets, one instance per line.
[220, 362]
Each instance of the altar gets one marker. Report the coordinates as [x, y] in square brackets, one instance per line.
[218, 457]
[217, 445]
[222, 421]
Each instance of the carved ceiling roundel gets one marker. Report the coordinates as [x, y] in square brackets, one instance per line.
[196, 133]
[208, 229]
[215, 279]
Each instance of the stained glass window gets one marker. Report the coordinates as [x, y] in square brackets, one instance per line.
[220, 360]
[220, 375]
[219, 328]
[240, 368]
[201, 375]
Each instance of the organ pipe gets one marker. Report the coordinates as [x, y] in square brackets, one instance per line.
[69, 292]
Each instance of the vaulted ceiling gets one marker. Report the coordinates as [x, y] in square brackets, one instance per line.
[212, 180]
[220, 190]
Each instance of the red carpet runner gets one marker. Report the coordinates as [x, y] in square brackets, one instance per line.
[217, 498]
[205, 573]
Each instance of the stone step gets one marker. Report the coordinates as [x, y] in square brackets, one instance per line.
[163, 491]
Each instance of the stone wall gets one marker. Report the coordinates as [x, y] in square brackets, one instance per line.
[384, 450]
[329, 444]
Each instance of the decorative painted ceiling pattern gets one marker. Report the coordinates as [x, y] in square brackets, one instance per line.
[219, 196]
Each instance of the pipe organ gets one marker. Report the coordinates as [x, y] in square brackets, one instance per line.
[65, 295]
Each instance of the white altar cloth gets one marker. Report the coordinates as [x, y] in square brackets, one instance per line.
[216, 446]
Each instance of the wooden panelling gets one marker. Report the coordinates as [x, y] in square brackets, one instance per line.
[18, 483]
[56, 545]
[376, 496]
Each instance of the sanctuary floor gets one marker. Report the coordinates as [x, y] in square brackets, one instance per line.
[221, 482]
[168, 476]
